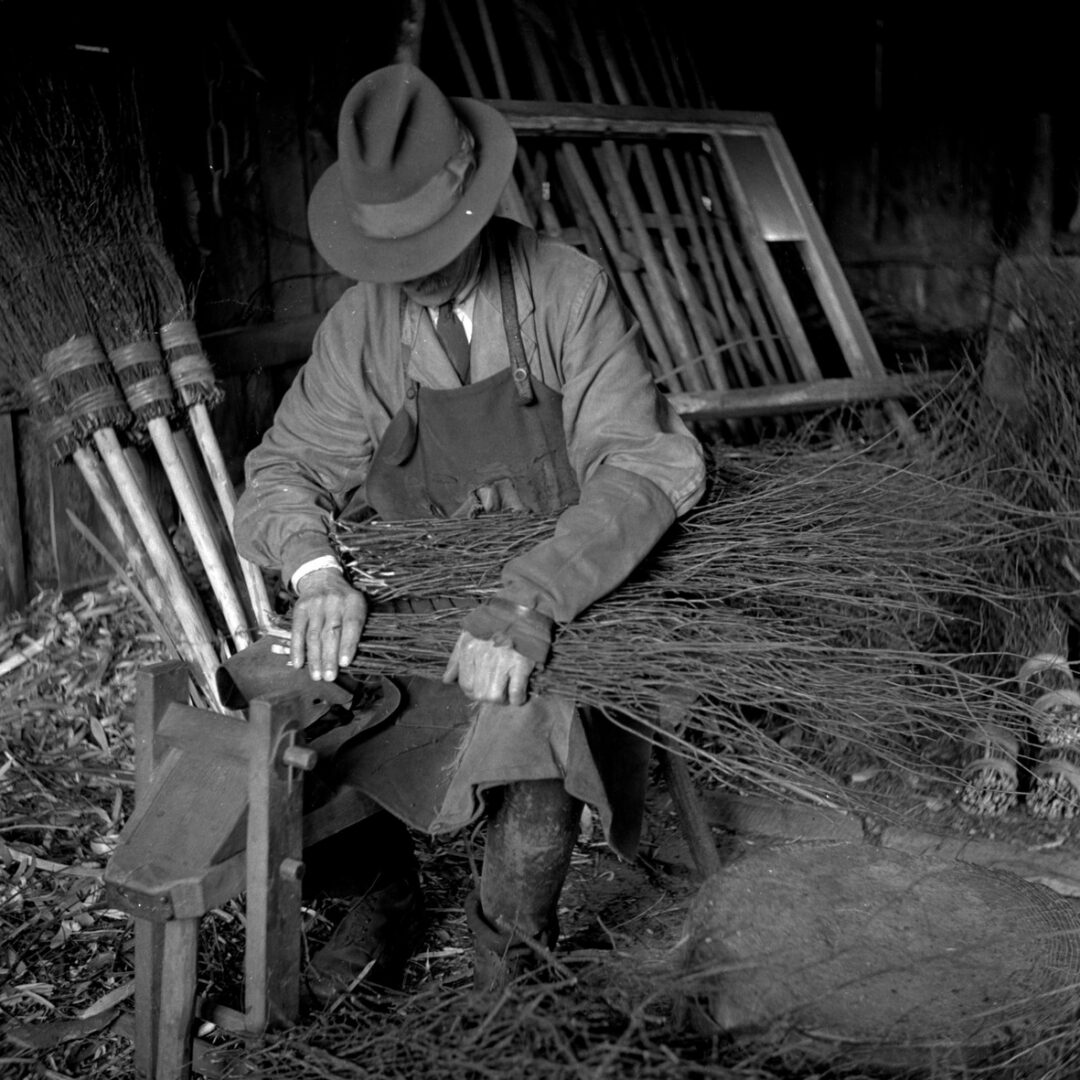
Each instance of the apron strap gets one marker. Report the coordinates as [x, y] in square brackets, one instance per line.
[412, 387]
[518, 364]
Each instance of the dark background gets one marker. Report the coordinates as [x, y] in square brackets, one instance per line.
[936, 145]
[920, 132]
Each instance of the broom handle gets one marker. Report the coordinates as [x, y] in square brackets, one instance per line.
[210, 510]
[101, 487]
[216, 570]
[181, 595]
[219, 477]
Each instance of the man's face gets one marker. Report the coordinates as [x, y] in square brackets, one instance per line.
[454, 279]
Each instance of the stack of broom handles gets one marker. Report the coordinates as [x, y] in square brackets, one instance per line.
[119, 486]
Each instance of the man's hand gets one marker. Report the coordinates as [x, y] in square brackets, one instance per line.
[327, 621]
[489, 672]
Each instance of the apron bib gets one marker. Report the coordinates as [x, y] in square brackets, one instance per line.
[492, 445]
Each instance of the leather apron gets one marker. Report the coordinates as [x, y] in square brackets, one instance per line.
[493, 445]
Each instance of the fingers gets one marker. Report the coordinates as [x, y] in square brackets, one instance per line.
[327, 625]
[352, 627]
[297, 650]
[489, 672]
[518, 681]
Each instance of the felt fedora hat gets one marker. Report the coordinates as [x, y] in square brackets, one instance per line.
[418, 176]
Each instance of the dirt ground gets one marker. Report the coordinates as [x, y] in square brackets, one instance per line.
[610, 1009]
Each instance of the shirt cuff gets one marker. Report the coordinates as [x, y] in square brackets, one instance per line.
[323, 562]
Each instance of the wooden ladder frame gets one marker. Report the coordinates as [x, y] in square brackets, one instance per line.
[770, 203]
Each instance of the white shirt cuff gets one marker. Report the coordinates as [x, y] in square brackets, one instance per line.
[323, 562]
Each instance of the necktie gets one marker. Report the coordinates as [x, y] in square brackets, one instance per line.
[452, 335]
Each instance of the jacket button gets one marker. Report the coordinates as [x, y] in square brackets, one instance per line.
[411, 392]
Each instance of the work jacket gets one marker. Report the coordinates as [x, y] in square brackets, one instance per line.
[577, 341]
[636, 465]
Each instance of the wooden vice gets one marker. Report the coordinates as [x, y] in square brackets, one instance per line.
[218, 813]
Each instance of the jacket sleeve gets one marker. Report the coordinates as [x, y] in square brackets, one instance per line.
[316, 452]
[638, 466]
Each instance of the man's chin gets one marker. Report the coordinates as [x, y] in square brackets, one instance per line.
[428, 297]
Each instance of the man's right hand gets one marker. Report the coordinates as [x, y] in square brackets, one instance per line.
[327, 621]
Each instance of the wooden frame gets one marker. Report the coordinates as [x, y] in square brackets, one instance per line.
[738, 191]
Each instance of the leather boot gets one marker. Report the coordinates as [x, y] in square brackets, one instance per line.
[381, 930]
[532, 827]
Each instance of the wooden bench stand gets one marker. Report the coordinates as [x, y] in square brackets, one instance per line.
[218, 813]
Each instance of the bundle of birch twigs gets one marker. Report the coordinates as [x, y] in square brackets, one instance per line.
[816, 591]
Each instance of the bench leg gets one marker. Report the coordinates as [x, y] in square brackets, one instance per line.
[275, 847]
[166, 956]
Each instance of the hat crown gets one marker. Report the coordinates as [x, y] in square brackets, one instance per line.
[418, 176]
[396, 131]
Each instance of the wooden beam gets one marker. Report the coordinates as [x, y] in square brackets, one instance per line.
[631, 121]
[801, 397]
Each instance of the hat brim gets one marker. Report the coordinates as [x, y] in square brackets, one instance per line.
[365, 258]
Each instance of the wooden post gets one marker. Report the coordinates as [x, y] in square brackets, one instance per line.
[579, 175]
[1038, 227]
[274, 868]
[157, 687]
[743, 265]
[707, 344]
[410, 33]
[688, 808]
[13, 581]
[178, 941]
[758, 345]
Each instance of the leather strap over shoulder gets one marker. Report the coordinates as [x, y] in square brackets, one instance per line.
[518, 363]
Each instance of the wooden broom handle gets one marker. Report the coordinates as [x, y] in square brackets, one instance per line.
[201, 531]
[219, 477]
[189, 611]
[104, 493]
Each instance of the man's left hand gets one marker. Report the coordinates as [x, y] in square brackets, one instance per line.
[489, 672]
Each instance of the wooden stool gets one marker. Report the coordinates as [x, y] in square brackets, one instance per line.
[218, 812]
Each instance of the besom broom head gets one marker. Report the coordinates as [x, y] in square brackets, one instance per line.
[54, 425]
[85, 387]
[140, 368]
[189, 366]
